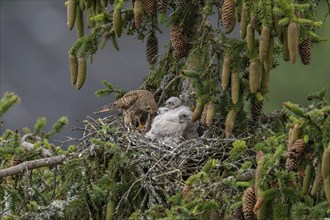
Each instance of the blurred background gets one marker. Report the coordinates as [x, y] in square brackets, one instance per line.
[34, 45]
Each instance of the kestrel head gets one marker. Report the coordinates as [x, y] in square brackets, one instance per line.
[173, 102]
[162, 110]
[184, 115]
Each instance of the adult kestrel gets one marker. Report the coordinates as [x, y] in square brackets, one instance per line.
[133, 104]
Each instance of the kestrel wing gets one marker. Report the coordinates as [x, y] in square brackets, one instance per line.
[127, 100]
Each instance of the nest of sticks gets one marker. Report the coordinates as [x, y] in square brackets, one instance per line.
[162, 168]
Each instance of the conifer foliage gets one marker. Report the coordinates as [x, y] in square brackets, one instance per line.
[115, 172]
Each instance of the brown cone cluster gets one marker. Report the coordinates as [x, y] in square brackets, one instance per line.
[161, 6]
[228, 17]
[15, 161]
[256, 112]
[238, 214]
[207, 115]
[180, 2]
[150, 7]
[305, 50]
[249, 200]
[179, 41]
[295, 153]
[152, 49]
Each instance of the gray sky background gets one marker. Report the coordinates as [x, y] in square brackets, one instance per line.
[34, 64]
[34, 44]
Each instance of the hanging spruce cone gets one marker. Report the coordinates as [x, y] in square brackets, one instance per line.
[293, 34]
[117, 21]
[285, 48]
[269, 58]
[150, 7]
[249, 200]
[225, 74]
[79, 22]
[295, 153]
[82, 70]
[255, 72]
[235, 86]
[210, 114]
[82, 4]
[265, 83]
[294, 134]
[196, 115]
[305, 50]
[179, 42]
[230, 123]
[88, 3]
[264, 43]
[326, 188]
[161, 6]
[228, 16]
[244, 22]
[152, 49]
[250, 38]
[277, 27]
[138, 13]
[71, 13]
[256, 112]
[325, 164]
[203, 116]
[73, 62]
[238, 213]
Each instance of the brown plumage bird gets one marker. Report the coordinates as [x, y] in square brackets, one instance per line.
[134, 103]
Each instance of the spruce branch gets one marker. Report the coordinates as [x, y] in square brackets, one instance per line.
[7, 101]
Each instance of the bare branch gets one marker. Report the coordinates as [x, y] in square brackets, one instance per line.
[33, 164]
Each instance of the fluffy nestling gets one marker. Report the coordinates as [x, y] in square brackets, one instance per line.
[171, 125]
[173, 102]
